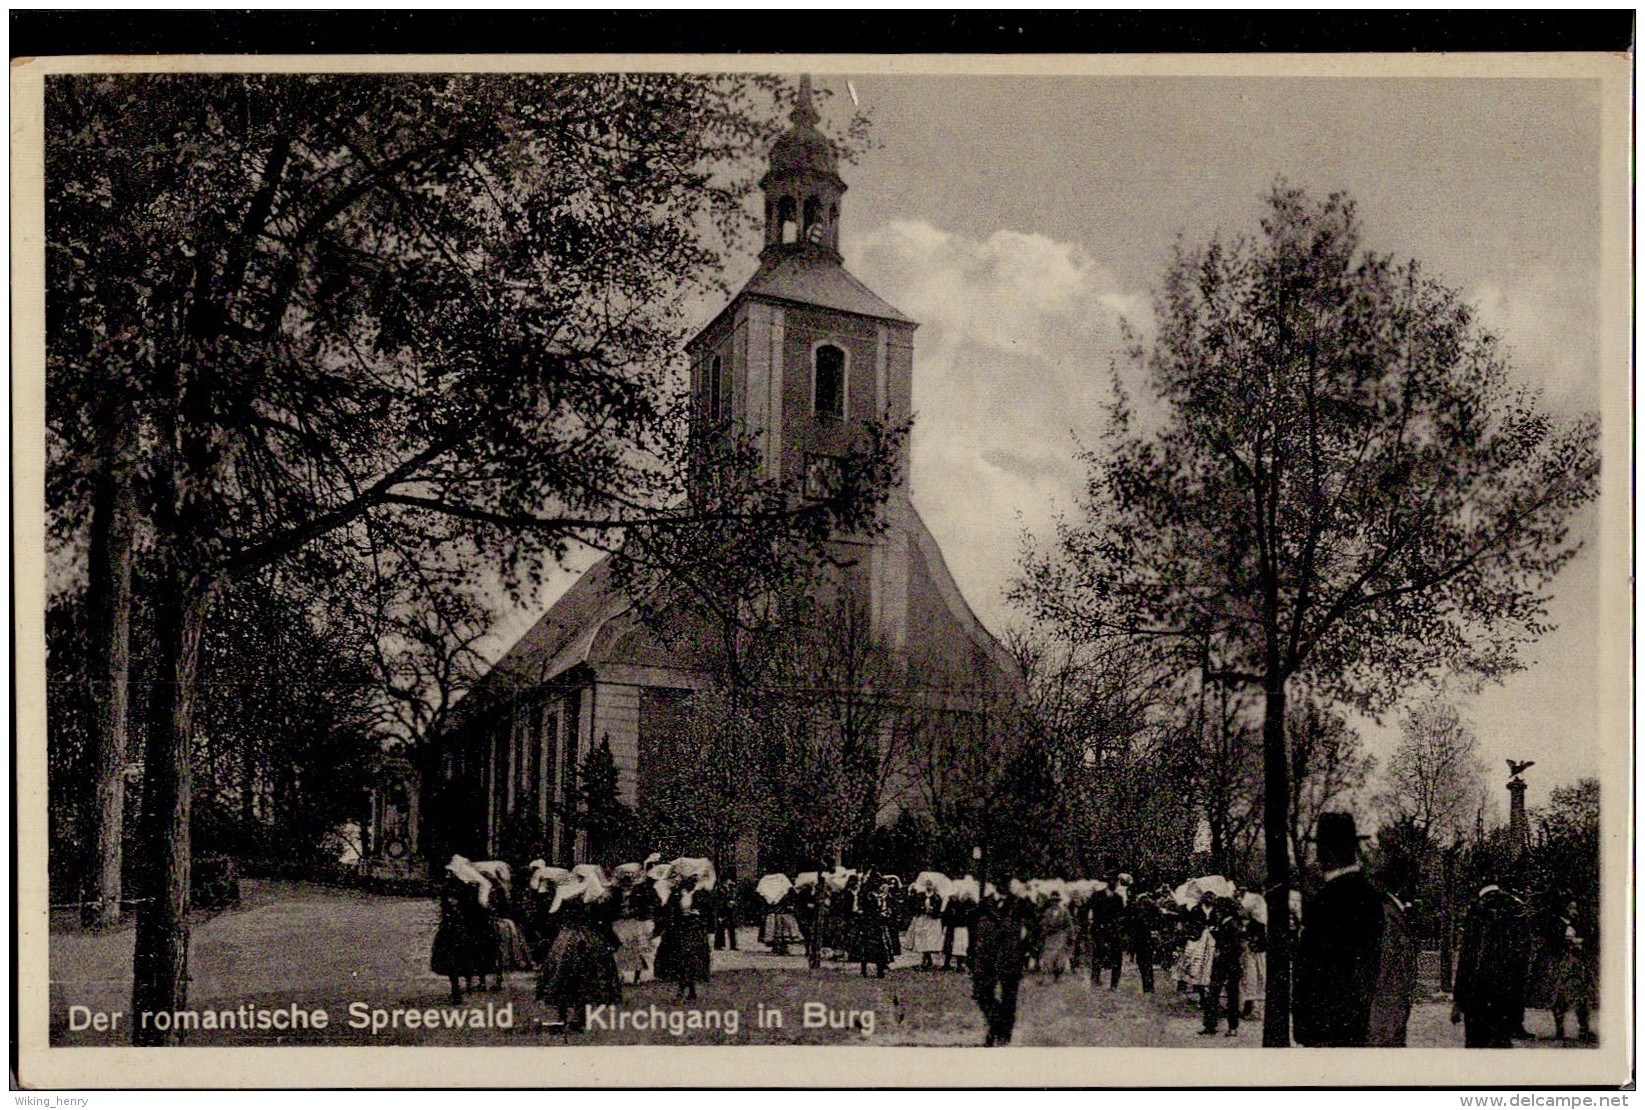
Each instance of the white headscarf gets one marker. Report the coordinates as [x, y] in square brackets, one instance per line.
[464, 870]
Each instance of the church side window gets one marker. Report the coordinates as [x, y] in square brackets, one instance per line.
[715, 388]
[828, 383]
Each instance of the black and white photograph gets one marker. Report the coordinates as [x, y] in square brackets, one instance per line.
[830, 555]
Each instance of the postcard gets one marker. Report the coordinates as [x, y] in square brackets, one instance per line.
[567, 566]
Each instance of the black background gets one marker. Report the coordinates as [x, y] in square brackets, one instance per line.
[42, 32]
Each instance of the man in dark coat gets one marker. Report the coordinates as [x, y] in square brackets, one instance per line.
[996, 956]
[1491, 967]
[1107, 936]
[1228, 931]
[1141, 922]
[725, 912]
[1339, 953]
[1396, 978]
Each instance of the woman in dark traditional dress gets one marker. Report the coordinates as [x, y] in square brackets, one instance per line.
[513, 953]
[465, 946]
[957, 917]
[580, 969]
[897, 914]
[841, 923]
[782, 924]
[814, 920]
[683, 954]
[871, 933]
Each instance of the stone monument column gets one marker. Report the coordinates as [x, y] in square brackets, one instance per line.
[1519, 829]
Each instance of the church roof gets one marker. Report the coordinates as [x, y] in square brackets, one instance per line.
[954, 600]
[593, 623]
[562, 638]
[808, 279]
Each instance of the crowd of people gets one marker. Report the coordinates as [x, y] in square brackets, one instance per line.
[584, 931]
[580, 929]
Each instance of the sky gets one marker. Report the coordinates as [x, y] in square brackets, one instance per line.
[1020, 220]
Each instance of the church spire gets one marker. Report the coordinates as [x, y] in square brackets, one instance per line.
[804, 113]
[803, 187]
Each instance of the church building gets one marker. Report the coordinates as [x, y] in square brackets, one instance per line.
[801, 357]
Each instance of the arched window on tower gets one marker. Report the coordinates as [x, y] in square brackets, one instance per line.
[828, 383]
[787, 220]
[813, 216]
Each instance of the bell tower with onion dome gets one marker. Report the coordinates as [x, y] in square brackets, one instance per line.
[803, 187]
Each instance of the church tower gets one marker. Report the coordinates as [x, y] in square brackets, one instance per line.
[805, 355]
[802, 358]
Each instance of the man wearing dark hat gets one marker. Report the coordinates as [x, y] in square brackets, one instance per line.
[1340, 948]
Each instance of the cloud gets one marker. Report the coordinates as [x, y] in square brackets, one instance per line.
[1012, 365]
[1546, 320]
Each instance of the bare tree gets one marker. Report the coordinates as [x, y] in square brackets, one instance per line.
[1328, 766]
[1435, 777]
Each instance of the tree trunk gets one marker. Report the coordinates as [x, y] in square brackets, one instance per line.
[108, 606]
[1445, 981]
[1276, 1025]
[160, 962]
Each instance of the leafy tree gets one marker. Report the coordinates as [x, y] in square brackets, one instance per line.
[850, 690]
[1402, 862]
[364, 324]
[1229, 784]
[594, 806]
[1340, 484]
[704, 776]
[1023, 816]
[955, 757]
[1565, 856]
[723, 579]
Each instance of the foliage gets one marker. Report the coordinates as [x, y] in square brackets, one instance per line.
[1340, 484]
[1565, 854]
[742, 561]
[1345, 481]
[702, 777]
[595, 807]
[284, 736]
[399, 332]
[1229, 782]
[846, 698]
